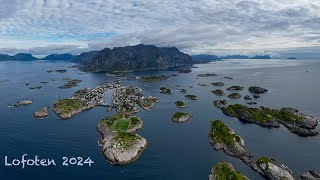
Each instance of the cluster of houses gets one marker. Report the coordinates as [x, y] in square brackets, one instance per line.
[125, 98]
[94, 96]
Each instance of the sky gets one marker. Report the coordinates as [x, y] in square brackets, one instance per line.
[221, 27]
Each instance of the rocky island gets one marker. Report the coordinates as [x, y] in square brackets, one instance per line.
[235, 88]
[310, 175]
[224, 138]
[220, 103]
[22, 103]
[181, 117]
[257, 90]
[296, 122]
[183, 90]
[147, 103]
[153, 78]
[58, 70]
[207, 75]
[219, 84]
[273, 170]
[234, 96]
[218, 92]
[42, 113]
[247, 97]
[164, 90]
[119, 143]
[180, 104]
[70, 83]
[66, 108]
[191, 97]
[225, 171]
[81, 100]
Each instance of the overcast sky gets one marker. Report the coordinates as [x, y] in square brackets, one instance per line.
[276, 27]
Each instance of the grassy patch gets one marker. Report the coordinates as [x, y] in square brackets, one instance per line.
[264, 160]
[153, 78]
[165, 90]
[180, 104]
[109, 121]
[70, 84]
[253, 113]
[120, 122]
[222, 134]
[262, 115]
[224, 172]
[69, 104]
[192, 97]
[122, 125]
[178, 115]
[126, 140]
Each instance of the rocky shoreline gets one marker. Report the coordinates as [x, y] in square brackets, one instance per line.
[225, 171]
[310, 175]
[181, 117]
[22, 103]
[296, 122]
[121, 146]
[224, 138]
[67, 113]
[42, 113]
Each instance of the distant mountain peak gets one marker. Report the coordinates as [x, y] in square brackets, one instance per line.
[133, 58]
[65, 57]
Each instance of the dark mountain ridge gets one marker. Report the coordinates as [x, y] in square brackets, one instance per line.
[202, 58]
[29, 57]
[17, 57]
[133, 58]
[65, 57]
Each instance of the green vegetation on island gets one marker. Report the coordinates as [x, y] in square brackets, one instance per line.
[219, 84]
[257, 90]
[273, 170]
[69, 104]
[221, 133]
[180, 104]
[234, 96]
[296, 122]
[265, 161]
[147, 103]
[122, 123]
[218, 92]
[164, 90]
[225, 171]
[70, 84]
[251, 114]
[124, 140]
[65, 108]
[181, 117]
[153, 78]
[207, 75]
[235, 88]
[120, 144]
[220, 103]
[191, 97]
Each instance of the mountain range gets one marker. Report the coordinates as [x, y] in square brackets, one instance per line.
[29, 57]
[133, 58]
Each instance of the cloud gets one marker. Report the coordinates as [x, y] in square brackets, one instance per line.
[202, 26]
